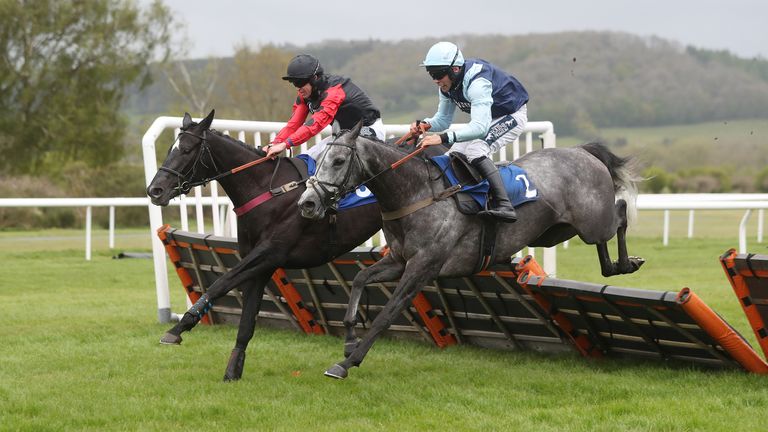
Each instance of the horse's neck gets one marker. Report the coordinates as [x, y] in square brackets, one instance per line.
[242, 186]
[400, 187]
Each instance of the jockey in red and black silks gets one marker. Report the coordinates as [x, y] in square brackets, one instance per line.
[320, 101]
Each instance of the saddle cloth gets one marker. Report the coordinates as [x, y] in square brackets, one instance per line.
[360, 197]
[519, 188]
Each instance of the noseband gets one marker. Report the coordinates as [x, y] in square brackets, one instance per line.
[184, 180]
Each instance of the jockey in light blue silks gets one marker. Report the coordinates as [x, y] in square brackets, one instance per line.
[496, 102]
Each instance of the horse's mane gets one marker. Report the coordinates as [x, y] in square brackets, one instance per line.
[250, 148]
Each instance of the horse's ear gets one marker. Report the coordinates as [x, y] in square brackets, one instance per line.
[187, 122]
[335, 129]
[355, 131]
[206, 123]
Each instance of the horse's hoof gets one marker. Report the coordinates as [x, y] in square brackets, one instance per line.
[230, 378]
[170, 339]
[636, 263]
[235, 365]
[336, 371]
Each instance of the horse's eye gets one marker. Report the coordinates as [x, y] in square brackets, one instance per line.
[185, 148]
[338, 162]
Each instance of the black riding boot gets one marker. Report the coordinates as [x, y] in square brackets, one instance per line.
[501, 207]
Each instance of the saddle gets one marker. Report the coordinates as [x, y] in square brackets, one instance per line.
[467, 175]
[458, 171]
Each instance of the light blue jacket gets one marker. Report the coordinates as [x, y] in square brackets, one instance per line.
[485, 92]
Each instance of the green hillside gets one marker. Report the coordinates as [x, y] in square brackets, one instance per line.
[581, 81]
[693, 116]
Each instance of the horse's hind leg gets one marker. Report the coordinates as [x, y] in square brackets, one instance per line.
[625, 264]
[385, 270]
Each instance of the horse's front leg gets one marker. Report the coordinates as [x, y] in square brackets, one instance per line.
[385, 270]
[417, 274]
[252, 297]
[224, 284]
[198, 310]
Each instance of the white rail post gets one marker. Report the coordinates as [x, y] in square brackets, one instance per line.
[690, 223]
[88, 224]
[156, 220]
[760, 217]
[111, 227]
[548, 141]
[665, 236]
[743, 232]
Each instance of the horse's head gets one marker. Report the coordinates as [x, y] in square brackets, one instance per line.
[188, 161]
[339, 170]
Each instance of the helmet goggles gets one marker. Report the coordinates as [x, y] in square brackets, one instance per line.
[298, 82]
[438, 72]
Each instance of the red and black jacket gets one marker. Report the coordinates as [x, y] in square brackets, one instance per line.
[333, 98]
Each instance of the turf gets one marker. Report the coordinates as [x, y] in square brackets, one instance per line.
[79, 352]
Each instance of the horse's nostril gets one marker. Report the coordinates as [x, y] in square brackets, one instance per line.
[155, 192]
[308, 205]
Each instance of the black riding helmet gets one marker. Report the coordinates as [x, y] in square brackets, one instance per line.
[302, 69]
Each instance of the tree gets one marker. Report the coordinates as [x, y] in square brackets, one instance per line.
[64, 68]
[255, 89]
[194, 87]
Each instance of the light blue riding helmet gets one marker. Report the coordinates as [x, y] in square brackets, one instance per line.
[443, 54]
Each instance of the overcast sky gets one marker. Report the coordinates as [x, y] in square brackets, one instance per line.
[215, 27]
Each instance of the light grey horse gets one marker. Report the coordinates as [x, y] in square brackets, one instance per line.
[577, 188]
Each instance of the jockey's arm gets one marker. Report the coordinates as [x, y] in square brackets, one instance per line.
[320, 119]
[479, 94]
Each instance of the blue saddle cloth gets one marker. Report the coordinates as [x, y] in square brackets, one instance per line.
[360, 197]
[519, 188]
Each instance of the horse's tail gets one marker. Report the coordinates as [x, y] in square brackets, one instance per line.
[623, 172]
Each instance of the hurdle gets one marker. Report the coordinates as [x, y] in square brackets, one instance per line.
[513, 306]
[748, 275]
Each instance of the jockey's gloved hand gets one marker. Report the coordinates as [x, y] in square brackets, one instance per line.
[418, 127]
[274, 149]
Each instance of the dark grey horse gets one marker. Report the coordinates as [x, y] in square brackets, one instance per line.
[577, 188]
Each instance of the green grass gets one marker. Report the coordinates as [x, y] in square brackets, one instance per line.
[79, 352]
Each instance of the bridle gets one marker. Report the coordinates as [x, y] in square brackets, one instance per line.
[184, 179]
[331, 198]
